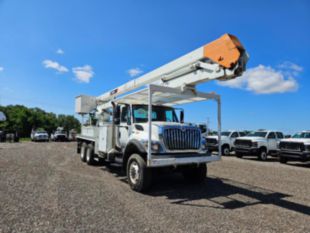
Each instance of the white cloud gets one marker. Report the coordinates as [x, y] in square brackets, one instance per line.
[134, 72]
[49, 64]
[84, 73]
[1, 68]
[60, 51]
[267, 80]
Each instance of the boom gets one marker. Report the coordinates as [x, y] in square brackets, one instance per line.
[222, 59]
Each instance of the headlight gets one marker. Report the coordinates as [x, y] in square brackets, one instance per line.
[155, 146]
[254, 144]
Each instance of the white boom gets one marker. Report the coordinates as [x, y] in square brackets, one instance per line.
[222, 59]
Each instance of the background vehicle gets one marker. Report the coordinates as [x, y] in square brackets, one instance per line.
[2, 133]
[295, 148]
[259, 143]
[59, 135]
[141, 129]
[227, 141]
[39, 135]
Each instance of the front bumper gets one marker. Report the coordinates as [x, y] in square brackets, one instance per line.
[247, 151]
[212, 147]
[294, 155]
[41, 139]
[178, 160]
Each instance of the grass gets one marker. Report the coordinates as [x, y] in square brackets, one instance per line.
[25, 139]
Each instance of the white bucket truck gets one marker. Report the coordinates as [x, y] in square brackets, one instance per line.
[137, 125]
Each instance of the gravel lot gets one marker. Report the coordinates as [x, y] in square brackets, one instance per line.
[45, 188]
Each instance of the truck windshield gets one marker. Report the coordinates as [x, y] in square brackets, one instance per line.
[159, 113]
[302, 135]
[225, 133]
[257, 134]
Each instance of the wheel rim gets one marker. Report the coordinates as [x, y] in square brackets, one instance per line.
[82, 153]
[134, 172]
[87, 156]
[263, 155]
[226, 151]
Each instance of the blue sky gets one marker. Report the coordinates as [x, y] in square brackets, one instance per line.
[52, 51]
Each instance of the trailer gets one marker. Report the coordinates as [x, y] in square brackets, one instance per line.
[137, 125]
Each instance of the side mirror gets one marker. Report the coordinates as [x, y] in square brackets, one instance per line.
[117, 115]
[182, 116]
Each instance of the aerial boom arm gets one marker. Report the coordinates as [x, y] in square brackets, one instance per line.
[222, 59]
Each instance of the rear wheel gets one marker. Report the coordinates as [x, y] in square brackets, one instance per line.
[283, 159]
[90, 155]
[83, 152]
[138, 174]
[262, 154]
[195, 174]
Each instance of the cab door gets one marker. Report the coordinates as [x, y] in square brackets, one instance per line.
[125, 125]
[272, 141]
[233, 137]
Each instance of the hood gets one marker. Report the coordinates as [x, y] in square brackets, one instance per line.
[216, 137]
[304, 140]
[252, 138]
[40, 134]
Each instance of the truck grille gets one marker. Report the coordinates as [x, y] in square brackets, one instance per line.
[243, 143]
[182, 138]
[296, 146]
[211, 141]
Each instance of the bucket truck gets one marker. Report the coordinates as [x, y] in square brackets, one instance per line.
[137, 125]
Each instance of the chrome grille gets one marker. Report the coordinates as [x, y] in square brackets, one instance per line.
[296, 146]
[243, 143]
[211, 141]
[182, 138]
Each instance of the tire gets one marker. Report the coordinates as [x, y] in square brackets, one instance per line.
[225, 150]
[282, 159]
[90, 155]
[83, 152]
[262, 154]
[195, 174]
[138, 174]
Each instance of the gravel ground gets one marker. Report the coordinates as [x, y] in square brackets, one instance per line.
[45, 188]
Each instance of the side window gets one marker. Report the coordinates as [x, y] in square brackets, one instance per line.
[234, 135]
[280, 135]
[242, 134]
[169, 116]
[124, 114]
[271, 135]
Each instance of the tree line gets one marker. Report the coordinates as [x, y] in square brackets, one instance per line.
[22, 120]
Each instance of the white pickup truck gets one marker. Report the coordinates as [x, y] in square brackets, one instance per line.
[227, 141]
[259, 143]
[295, 148]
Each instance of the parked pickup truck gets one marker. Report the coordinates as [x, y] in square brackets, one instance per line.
[39, 136]
[227, 141]
[259, 143]
[295, 148]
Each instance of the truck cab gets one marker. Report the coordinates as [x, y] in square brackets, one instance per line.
[259, 143]
[227, 141]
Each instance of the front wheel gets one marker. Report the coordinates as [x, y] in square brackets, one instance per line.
[262, 154]
[138, 174]
[225, 150]
[195, 174]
